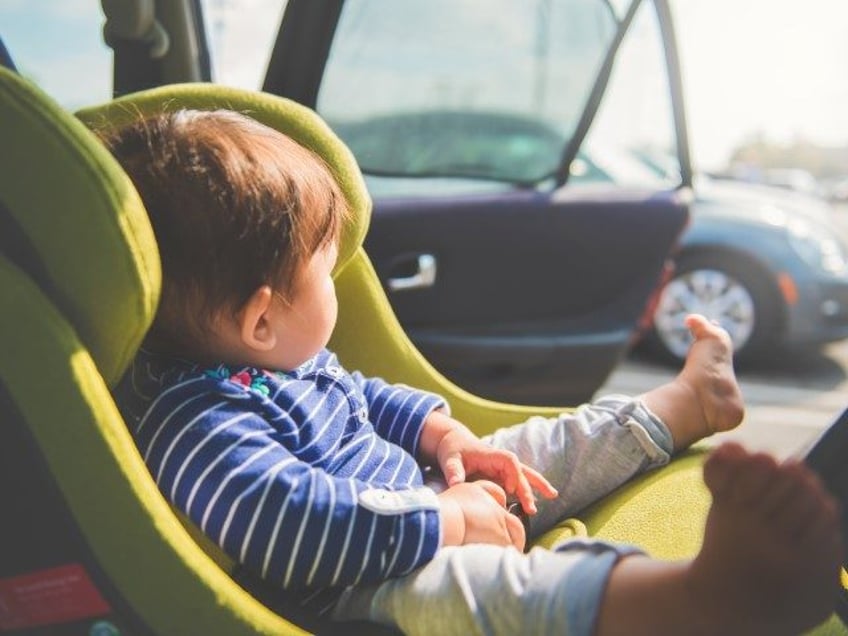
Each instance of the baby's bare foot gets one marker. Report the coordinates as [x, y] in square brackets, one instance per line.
[772, 549]
[708, 372]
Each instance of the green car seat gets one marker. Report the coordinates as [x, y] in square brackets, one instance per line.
[89, 543]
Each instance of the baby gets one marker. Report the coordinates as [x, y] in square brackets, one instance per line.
[367, 500]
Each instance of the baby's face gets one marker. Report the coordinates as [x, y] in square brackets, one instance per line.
[306, 321]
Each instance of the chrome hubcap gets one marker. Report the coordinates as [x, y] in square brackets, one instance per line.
[711, 293]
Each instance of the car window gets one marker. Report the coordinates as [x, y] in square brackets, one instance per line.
[58, 45]
[632, 141]
[476, 91]
[240, 35]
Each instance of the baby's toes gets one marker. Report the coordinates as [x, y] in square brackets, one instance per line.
[755, 481]
[698, 325]
[700, 328]
[719, 468]
[823, 528]
[795, 499]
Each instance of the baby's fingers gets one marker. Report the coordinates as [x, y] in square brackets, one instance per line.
[539, 483]
[453, 470]
[524, 493]
[530, 480]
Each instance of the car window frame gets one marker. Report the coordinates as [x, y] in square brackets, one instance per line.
[299, 76]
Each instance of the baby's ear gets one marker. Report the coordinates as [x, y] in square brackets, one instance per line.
[255, 325]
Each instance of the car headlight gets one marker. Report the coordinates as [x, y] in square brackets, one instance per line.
[817, 246]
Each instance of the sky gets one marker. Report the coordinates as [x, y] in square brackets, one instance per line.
[778, 68]
[774, 68]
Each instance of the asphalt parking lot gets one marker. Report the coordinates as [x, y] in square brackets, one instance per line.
[791, 398]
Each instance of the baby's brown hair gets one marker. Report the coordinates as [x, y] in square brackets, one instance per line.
[234, 205]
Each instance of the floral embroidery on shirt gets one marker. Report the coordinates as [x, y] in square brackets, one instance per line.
[248, 378]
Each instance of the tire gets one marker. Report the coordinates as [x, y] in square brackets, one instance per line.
[736, 294]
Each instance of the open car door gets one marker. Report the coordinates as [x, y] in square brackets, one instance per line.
[466, 119]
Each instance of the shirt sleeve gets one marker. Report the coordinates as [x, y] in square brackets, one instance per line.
[398, 411]
[289, 522]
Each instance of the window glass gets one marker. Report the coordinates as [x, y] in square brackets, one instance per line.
[58, 44]
[240, 35]
[486, 90]
[632, 141]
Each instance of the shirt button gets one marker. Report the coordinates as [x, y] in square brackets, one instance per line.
[334, 371]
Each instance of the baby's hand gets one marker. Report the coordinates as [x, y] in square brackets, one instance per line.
[475, 512]
[461, 453]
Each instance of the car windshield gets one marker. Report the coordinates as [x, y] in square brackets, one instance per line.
[491, 89]
[613, 165]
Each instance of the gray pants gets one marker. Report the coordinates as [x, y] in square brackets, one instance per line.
[487, 589]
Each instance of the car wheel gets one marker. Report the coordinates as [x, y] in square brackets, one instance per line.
[736, 296]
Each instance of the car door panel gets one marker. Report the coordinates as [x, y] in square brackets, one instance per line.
[531, 285]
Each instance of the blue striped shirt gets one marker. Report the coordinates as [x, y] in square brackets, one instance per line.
[308, 478]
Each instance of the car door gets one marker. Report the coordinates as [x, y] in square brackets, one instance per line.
[464, 117]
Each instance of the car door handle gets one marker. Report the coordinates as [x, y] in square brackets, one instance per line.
[424, 277]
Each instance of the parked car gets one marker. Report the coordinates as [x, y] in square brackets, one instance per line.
[836, 190]
[795, 179]
[765, 263]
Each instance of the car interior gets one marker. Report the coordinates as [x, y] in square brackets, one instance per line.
[88, 539]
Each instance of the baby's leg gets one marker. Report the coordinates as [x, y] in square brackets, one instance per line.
[589, 452]
[493, 591]
[704, 398]
[586, 453]
[769, 563]
[769, 566]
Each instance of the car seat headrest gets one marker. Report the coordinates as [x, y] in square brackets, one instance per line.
[298, 122]
[76, 224]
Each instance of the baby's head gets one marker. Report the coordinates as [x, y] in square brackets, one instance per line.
[241, 215]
